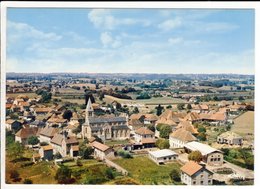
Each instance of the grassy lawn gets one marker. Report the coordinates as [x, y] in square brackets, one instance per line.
[145, 171]
[115, 142]
[91, 172]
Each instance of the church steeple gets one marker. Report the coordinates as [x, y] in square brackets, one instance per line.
[89, 110]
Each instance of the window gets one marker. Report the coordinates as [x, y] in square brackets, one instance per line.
[201, 182]
[209, 181]
[201, 176]
[194, 182]
[218, 159]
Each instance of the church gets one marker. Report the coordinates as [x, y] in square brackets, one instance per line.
[106, 128]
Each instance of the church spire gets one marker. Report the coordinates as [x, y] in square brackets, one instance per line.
[89, 109]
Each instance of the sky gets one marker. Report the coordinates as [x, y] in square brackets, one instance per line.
[130, 40]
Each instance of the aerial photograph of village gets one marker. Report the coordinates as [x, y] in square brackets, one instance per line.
[129, 96]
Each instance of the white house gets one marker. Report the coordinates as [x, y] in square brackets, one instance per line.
[194, 174]
[230, 138]
[211, 156]
[180, 137]
[101, 151]
[163, 156]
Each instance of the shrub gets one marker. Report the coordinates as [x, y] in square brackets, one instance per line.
[63, 175]
[27, 181]
[26, 164]
[195, 156]
[175, 175]
[14, 175]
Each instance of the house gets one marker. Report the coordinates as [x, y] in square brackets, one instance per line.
[180, 137]
[37, 123]
[230, 138]
[47, 133]
[56, 120]
[193, 173]
[192, 117]
[36, 157]
[105, 127]
[41, 111]
[102, 151]
[163, 156]
[24, 133]
[144, 138]
[62, 143]
[13, 125]
[170, 117]
[211, 156]
[46, 152]
[188, 127]
[150, 119]
[74, 151]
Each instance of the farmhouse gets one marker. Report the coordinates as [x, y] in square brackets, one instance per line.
[63, 143]
[230, 138]
[187, 126]
[211, 156]
[46, 152]
[163, 156]
[47, 133]
[180, 137]
[24, 133]
[194, 174]
[104, 127]
[101, 151]
[144, 138]
[11, 124]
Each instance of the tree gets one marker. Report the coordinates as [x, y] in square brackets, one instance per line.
[180, 106]
[189, 107]
[195, 156]
[57, 156]
[109, 173]
[165, 131]
[201, 129]
[169, 107]
[202, 136]
[9, 137]
[15, 150]
[33, 140]
[46, 96]
[159, 109]
[240, 98]
[135, 111]
[175, 175]
[67, 114]
[63, 175]
[162, 143]
[85, 151]
[151, 127]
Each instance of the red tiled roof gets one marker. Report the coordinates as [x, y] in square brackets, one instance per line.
[100, 146]
[191, 167]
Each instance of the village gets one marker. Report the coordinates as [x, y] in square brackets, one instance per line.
[143, 129]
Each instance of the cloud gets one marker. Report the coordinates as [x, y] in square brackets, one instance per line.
[103, 19]
[170, 24]
[107, 40]
[175, 40]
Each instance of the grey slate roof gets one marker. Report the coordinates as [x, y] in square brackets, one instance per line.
[106, 119]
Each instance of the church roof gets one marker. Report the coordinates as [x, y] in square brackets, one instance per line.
[106, 119]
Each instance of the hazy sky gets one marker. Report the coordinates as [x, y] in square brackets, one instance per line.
[130, 40]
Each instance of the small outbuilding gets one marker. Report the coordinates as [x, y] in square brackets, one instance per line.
[163, 156]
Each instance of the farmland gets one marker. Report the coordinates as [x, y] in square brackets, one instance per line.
[244, 125]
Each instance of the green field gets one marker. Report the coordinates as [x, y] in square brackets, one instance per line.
[145, 171]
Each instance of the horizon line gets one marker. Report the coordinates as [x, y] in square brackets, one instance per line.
[130, 73]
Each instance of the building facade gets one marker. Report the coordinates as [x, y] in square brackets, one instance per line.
[106, 128]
